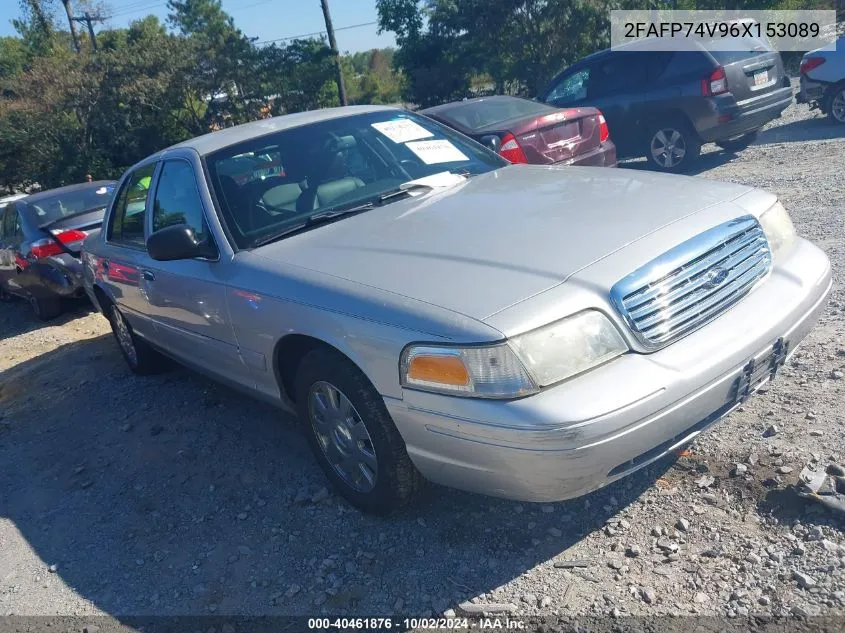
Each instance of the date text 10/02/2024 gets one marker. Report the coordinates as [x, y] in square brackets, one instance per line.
[434, 624]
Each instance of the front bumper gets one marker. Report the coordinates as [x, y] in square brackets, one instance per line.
[544, 447]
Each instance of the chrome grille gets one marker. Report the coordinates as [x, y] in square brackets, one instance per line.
[694, 282]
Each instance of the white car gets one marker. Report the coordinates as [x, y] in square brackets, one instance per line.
[823, 81]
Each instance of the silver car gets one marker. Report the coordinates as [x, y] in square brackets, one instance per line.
[432, 312]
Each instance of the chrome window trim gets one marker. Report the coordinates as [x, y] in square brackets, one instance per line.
[745, 233]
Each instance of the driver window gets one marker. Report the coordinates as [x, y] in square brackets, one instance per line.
[177, 200]
[571, 88]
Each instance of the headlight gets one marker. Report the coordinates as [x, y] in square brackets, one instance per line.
[518, 367]
[778, 228]
[568, 347]
[482, 372]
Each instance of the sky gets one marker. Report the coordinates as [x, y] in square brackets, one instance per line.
[264, 19]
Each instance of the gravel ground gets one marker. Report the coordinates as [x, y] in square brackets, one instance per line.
[172, 495]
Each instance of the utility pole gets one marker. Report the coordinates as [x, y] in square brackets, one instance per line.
[89, 20]
[71, 23]
[341, 88]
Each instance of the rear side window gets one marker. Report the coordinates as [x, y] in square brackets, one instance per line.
[177, 200]
[685, 63]
[618, 74]
[127, 223]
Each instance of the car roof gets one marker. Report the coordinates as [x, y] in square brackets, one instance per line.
[208, 143]
[49, 193]
[443, 107]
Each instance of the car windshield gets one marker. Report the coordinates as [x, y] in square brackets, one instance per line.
[475, 115]
[272, 184]
[51, 208]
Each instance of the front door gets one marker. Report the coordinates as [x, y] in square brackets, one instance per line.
[187, 298]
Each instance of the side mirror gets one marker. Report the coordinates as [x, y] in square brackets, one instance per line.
[178, 242]
[492, 141]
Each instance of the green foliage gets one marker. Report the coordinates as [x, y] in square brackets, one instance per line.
[64, 115]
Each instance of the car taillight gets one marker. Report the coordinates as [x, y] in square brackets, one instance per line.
[510, 150]
[49, 247]
[811, 62]
[604, 133]
[715, 84]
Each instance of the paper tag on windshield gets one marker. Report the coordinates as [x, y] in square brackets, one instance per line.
[401, 130]
[440, 151]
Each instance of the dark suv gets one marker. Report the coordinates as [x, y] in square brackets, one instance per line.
[664, 104]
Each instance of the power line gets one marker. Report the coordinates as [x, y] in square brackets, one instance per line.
[296, 37]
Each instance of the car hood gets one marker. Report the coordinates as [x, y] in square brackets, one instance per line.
[501, 237]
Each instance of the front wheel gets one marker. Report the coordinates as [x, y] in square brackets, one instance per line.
[740, 143]
[672, 146]
[352, 435]
[836, 104]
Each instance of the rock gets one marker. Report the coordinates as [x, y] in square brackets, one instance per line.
[753, 559]
[449, 613]
[657, 531]
[302, 495]
[764, 600]
[633, 550]
[292, 590]
[53, 568]
[350, 567]
[799, 550]
[701, 598]
[529, 598]
[804, 581]
[545, 602]
[739, 470]
[836, 374]
[705, 481]
[487, 607]
[713, 552]
[802, 611]
[126, 428]
[682, 524]
[771, 431]
[399, 604]
[321, 495]
[242, 516]
[555, 532]
[616, 564]
[829, 546]
[784, 470]
[648, 595]
[569, 564]
[753, 458]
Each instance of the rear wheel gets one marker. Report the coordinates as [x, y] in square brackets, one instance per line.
[836, 104]
[141, 358]
[45, 308]
[673, 146]
[740, 143]
[352, 435]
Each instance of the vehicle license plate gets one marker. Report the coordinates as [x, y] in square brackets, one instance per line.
[760, 370]
[761, 78]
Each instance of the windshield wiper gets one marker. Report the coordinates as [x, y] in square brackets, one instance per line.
[333, 213]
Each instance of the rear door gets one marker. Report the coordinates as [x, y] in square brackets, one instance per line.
[125, 249]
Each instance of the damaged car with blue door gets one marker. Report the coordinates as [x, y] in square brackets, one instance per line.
[434, 313]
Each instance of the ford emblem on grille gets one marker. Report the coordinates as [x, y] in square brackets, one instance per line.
[715, 277]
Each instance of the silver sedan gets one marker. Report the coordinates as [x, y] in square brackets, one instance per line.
[432, 312]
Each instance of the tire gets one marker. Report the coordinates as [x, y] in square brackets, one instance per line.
[141, 358]
[739, 144]
[357, 446]
[45, 308]
[835, 104]
[676, 134]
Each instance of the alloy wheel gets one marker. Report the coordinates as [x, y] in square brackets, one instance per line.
[342, 436]
[124, 336]
[837, 106]
[668, 148]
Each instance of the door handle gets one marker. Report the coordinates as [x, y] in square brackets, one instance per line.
[148, 275]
